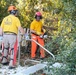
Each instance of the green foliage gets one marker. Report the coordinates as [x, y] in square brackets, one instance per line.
[57, 14]
[66, 56]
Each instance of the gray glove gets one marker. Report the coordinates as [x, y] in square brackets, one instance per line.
[27, 36]
[1, 37]
[43, 36]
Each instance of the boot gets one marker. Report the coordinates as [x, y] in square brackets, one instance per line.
[5, 57]
[4, 60]
[11, 65]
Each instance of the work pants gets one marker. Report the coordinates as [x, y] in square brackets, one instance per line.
[34, 46]
[9, 41]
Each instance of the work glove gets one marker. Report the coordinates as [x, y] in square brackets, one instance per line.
[1, 38]
[43, 36]
[27, 36]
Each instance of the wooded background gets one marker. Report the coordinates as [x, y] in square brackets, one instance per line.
[59, 19]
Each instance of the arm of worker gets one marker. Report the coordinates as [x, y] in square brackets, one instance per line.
[32, 31]
[21, 30]
[43, 30]
[1, 31]
[35, 32]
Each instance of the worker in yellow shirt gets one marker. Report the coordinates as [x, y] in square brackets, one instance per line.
[1, 37]
[36, 29]
[10, 26]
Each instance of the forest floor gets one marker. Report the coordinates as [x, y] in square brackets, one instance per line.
[25, 56]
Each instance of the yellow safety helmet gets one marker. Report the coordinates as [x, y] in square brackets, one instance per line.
[10, 8]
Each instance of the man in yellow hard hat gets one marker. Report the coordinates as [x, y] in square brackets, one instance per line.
[37, 32]
[10, 26]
